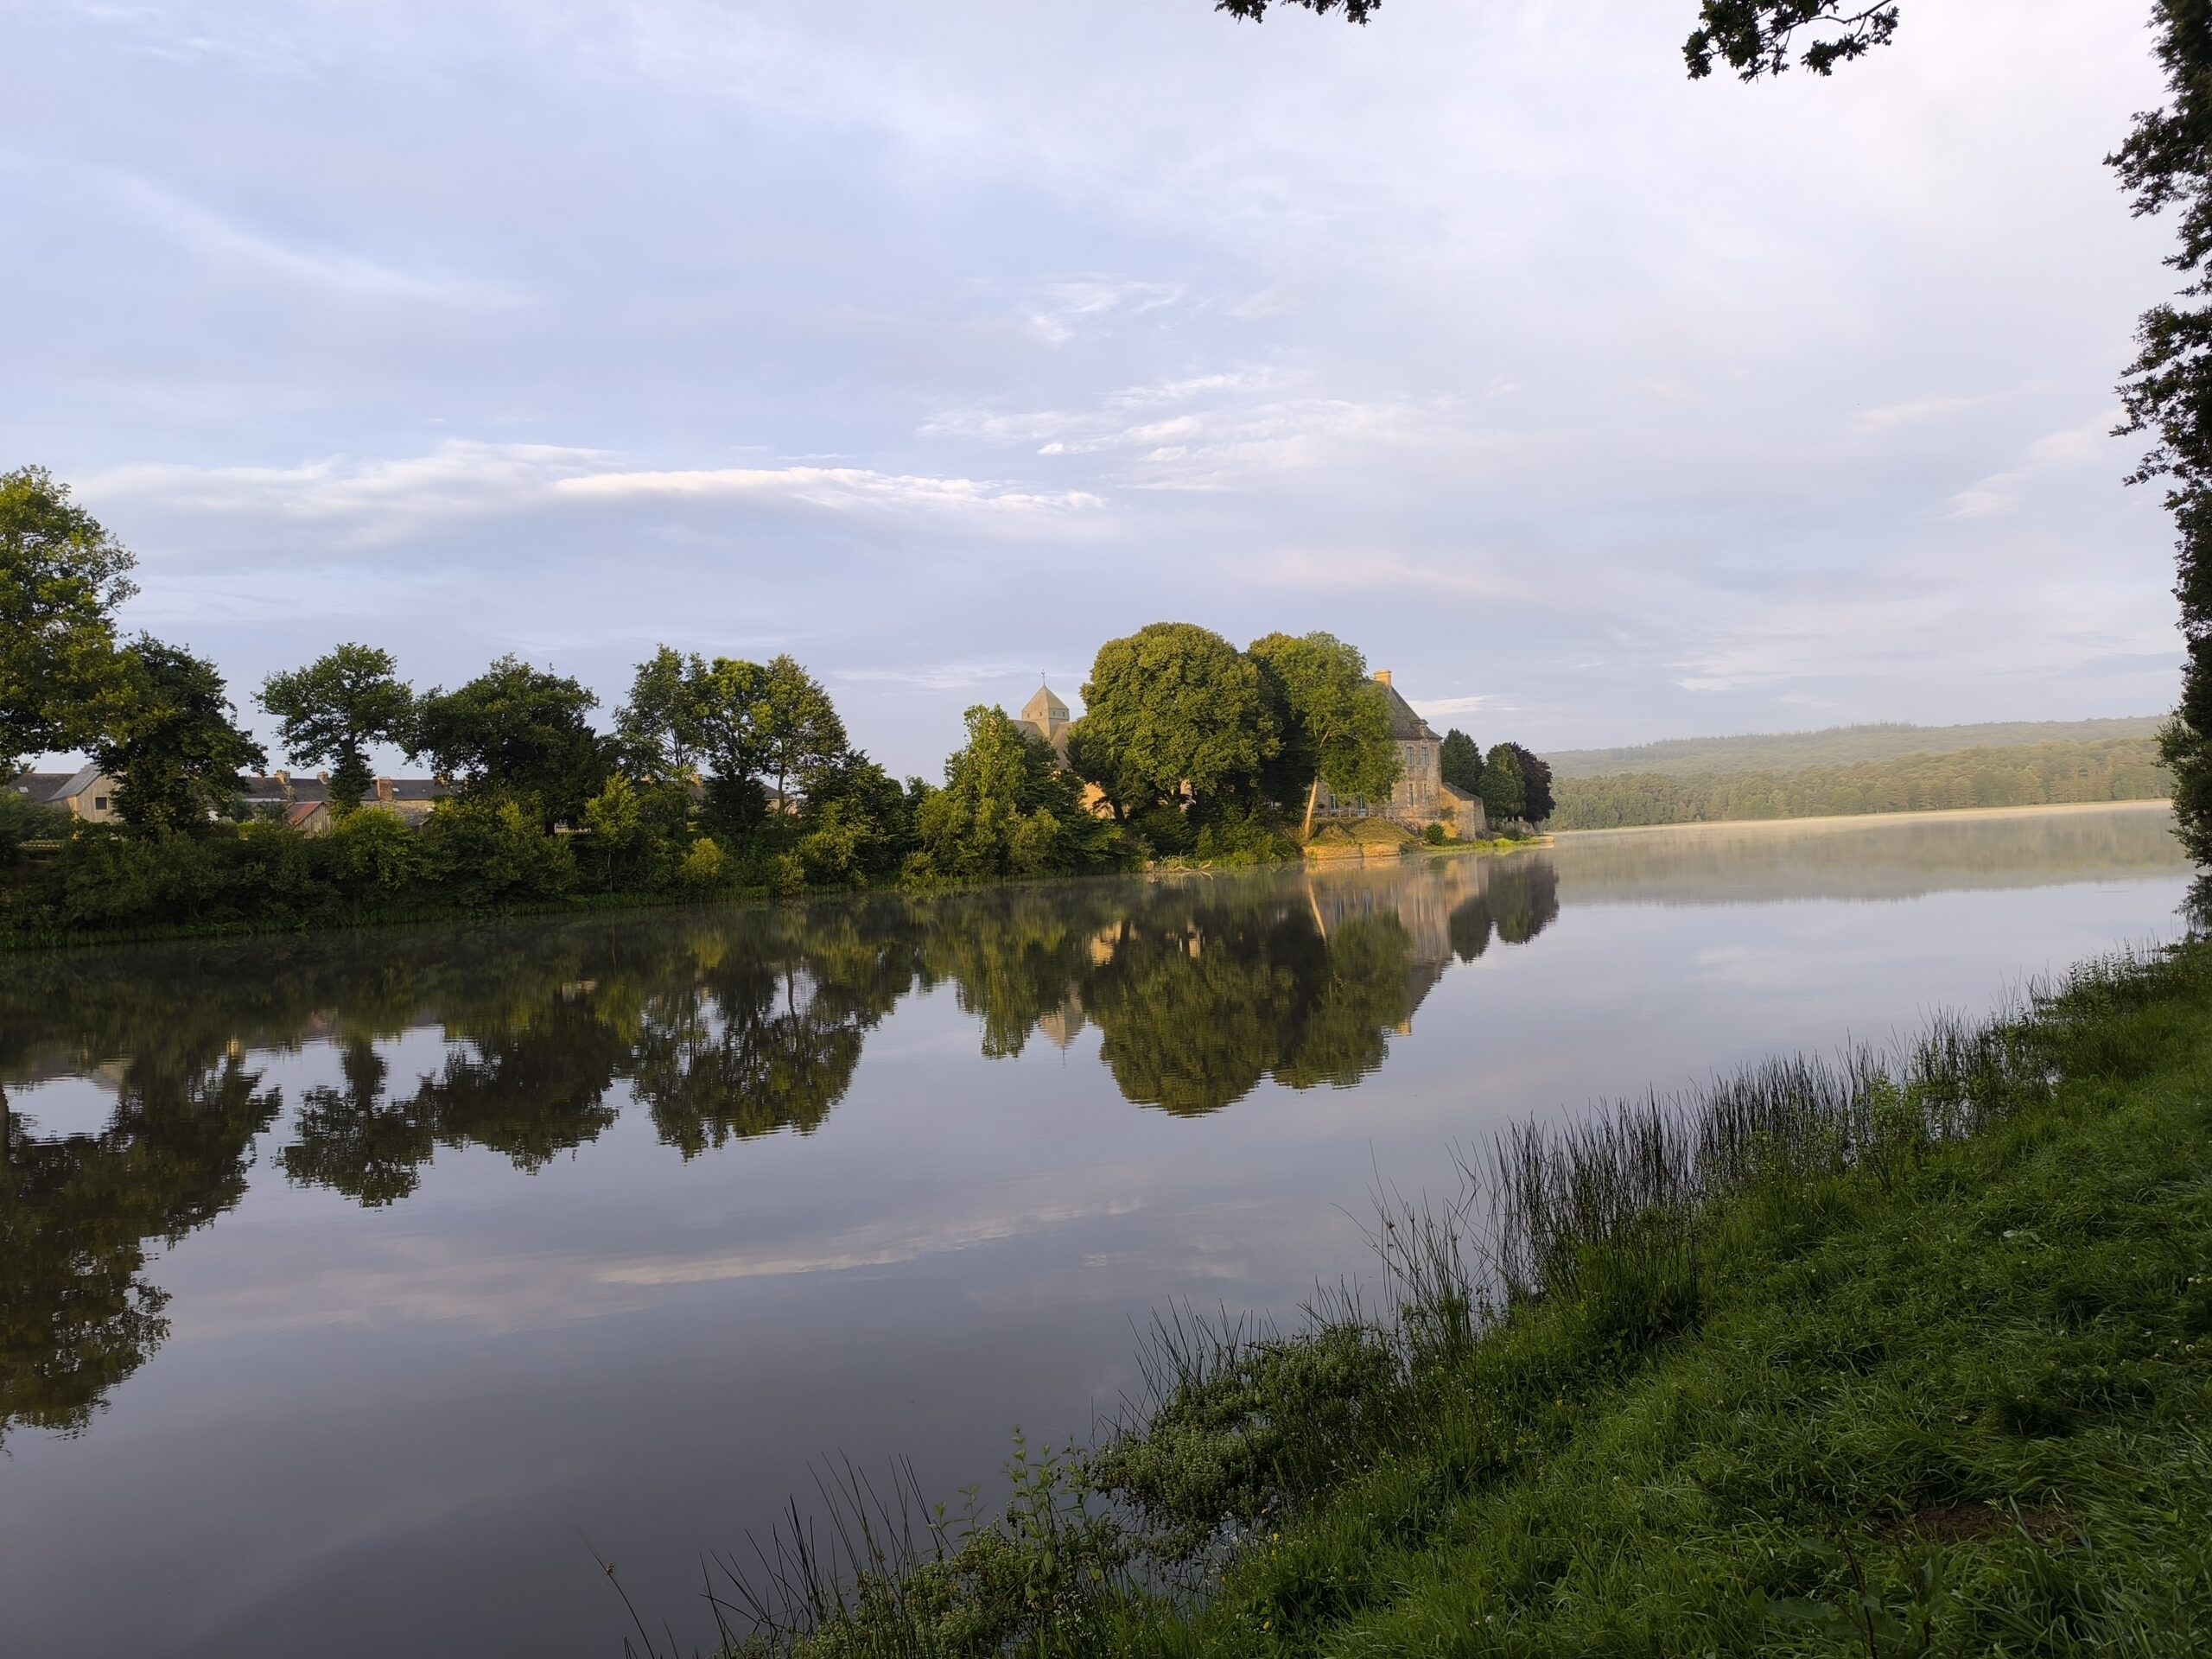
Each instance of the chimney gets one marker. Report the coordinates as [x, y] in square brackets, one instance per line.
[383, 789]
[282, 776]
[1382, 677]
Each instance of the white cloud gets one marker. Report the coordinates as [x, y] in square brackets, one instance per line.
[1444, 707]
[389, 497]
[217, 239]
[1227, 429]
[1995, 497]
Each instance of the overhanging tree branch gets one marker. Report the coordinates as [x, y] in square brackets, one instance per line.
[1755, 37]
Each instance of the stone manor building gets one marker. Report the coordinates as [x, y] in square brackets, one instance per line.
[1420, 798]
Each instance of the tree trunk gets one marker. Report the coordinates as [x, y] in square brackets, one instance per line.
[1312, 796]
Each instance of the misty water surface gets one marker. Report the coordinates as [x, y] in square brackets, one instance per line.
[346, 1286]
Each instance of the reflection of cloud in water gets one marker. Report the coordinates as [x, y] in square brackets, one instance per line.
[438, 1280]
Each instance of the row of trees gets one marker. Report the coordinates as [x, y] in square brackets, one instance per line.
[1514, 783]
[714, 772]
[2118, 769]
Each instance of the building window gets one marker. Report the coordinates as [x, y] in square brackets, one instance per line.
[99, 803]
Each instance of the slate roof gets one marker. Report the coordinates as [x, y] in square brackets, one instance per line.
[41, 786]
[1406, 726]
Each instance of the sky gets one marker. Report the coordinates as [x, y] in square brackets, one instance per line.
[935, 345]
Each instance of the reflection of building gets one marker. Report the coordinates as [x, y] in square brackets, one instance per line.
[1064, 1024]
[1420, 797]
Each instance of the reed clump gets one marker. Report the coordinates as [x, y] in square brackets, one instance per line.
[1891, 1353]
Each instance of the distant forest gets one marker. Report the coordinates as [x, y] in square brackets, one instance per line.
[1838, 747]
[2109, 769]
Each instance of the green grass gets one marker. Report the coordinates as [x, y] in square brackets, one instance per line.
[1881, 1358]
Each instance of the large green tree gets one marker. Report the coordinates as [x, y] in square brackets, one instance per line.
[169, 737]
[331, 712]
[1459, 761]
[653, 730]
[516, 731]
[1536, 802]
[1505, 792]
[1173, 707]
[796, 727]
[1334, 720]
[61, 577]
[1007, 809]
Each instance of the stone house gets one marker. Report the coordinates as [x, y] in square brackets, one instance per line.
[1420, 797]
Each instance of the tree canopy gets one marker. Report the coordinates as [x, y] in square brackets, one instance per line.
[1356, 11]
[333, 709]
[1333, 720]
[1173, 707]
[61, 577]
[516, 731]
[1537, 803]
[1007, 808]
[1756, 37]
[1459, 761]
[168, 738]
[1505, 792]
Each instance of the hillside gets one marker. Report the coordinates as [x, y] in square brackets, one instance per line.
[2114, 769]
[1836, 746]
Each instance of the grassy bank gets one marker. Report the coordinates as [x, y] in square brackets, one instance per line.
[1898, 1358]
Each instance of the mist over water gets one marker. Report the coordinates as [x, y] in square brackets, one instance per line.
[343, 1281]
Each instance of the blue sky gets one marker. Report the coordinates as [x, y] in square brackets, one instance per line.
[934, 345]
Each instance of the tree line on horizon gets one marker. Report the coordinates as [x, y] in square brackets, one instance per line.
[2115, 769]
[716, 773]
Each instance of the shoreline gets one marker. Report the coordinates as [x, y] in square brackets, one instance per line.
[1845, 1350]
[1942, 815]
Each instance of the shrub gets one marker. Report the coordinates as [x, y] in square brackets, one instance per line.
[371, 852]
[704, 867]
[487, 851]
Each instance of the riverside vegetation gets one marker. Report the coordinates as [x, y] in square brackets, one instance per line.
[1887, 1358]
[720, 776]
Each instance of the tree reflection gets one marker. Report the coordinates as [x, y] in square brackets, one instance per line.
[724, 1026]
[78, 1214]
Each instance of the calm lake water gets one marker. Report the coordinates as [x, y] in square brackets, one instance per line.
[374, 1275]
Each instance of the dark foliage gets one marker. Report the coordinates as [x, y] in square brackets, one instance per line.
[1459, 761]
[518, 733]
[1755, 37]
[169, 738]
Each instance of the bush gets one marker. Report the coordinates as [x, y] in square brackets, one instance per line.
[704, 867]
[1436, 834]
[1241, 836]
[371, 852]
[487, 851]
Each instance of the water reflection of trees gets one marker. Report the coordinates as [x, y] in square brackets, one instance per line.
[722, 1026]
[79, 1214]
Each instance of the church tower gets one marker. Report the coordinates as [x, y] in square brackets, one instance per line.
[1047, 716]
